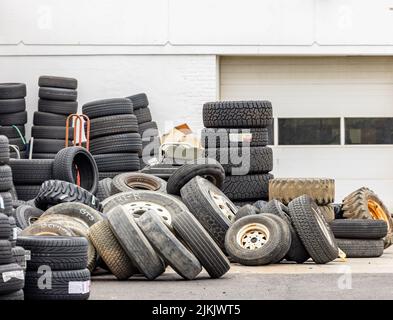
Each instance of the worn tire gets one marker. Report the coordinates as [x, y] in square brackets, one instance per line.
[104, 189]
[11, 119]
[139, 100]
[208, 169]
[237, 114]
[6, 256]
[53, 192]
[168, 246]
[359, 228]
[246, 210]
[107, 107]
[110, 125]
[58, 94]
[285, 190]
[253, 186]
[69, 161]
[212, 138]
[49, 119]
[12, 90]
[11, 132]
[58, 107]
[137, 181]
[48, 145]
[117, 162]
[31, 171]
[27, 192]
[43, 228]
[143, 115]
[12, 105]
[13, 273]
[5, 178]
[313, 230]
[58, 82]
[201, 197]
[120, 143]
[361, 248]
[134, 243]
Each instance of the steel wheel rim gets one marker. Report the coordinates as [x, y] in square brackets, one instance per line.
[137, 208]
[253, 236]
[225, 207]
[323, 226]
[376, 211]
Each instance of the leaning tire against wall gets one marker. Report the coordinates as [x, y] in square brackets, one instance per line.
[359, 228]
[365, 204]
[134, 243]
[253, 186]
[68, 159]
[201, 244]
[168, 246]
[126, 182]
[107, 107]
[313, 230]
[210, 206]
[208, 168]
[361, 248]
[120, 143]
[4, 150]
[237, 114]
[285, 190]
[117, 162]
[53, 192]
[31, 172]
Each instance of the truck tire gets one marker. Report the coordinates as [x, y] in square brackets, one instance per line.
[137, 181]
[361, 248]
[251, 186]
[359, 228]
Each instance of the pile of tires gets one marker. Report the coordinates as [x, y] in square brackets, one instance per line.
[147, 128]
[272, 232]
[321, 190]
[115, 141]
[236, 135]
[12, 262]
[13, 115]
[57, 268]
[58, 99]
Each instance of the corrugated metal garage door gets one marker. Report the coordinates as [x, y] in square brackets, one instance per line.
[321, 87]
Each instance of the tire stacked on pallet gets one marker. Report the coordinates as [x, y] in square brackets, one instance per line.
[60, 262]
[321, 190]
[58, 99]
[236, 135]
[147, 128]
[13, 115]
[12, 277]
[115, 141]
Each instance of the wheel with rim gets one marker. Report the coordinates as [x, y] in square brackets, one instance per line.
[137, 181]
[254, 240]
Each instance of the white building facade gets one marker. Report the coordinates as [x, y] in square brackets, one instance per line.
[326, 66]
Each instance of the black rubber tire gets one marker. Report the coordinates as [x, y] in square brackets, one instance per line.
[201, 244]
[13, 231]
[48, 145]
[104, 189]
[59, 253]
[296, 252]
[69, 161]
[131, 181]
[51, 132]
[308, 222]
[58, 82]
[260, 204]
[111, 125]
[266, 254]
[4, 227]
[53, 192]
[58, 107]
[5, 178]
[13, 273]
[231, 137]
[19, 255]
[13, 296]
[207, 168]
[242, 161]
[110, 251]
[12, 105]
[4, 150]
[31, 171]
[120, 143]
[143, 115]
[359, 228]
[104, 175]
[361, 248]
[163, 171]
[6, 256]
[75, 210]
[121, 162]
[134, 243]
[139, 100]
[44, 155]
[6, 203]
[60, 285]
[252, 186]
[12, 90]
[168, 246]
[58, 94]
[27, 192]
[107, 107]
[11, 131]
[246, 210]
[11, 119]
[150, 128]
[26, 215]
[237, 114]
[197, 194]
[49, 119]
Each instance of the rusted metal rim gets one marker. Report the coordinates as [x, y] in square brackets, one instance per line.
[376, 211]
[143, 183]
[253, 236]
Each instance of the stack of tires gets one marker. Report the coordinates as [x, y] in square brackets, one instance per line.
[57, 269]
[6, 184]
[147, 128]
[236, 135]
[115, 141]
[12, 277]
[13, 115]
[321, 190]
[57, 101]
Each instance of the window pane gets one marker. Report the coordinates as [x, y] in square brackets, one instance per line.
[368, 130]
[308, 131]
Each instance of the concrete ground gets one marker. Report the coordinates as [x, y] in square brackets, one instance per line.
[350, 279]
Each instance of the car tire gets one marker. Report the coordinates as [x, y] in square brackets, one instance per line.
[11, 278]
[120, 143]
[58, 82]
[5, 178]
[143, 115]
[27, 192]
[31, 172]
[117, 162]
[6, 203]
[107, 107]
[51, 132]
[13, 119]
[49, 119]
[359, 228]
[246, 210]
[12, 105]
[361, 248]
[139, 100]
[57, 94]
[111, 125]
[104, 189]
[12, 90]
